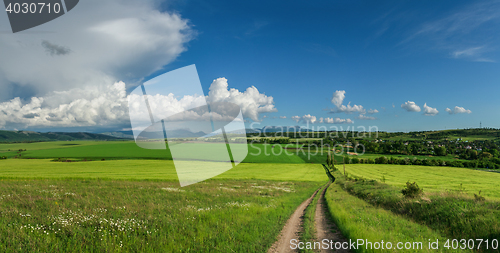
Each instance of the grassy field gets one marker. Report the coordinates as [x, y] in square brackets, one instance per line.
[145, 216]
[150, 170]
[432, 179]
[358, 219]
[119, 150]
[451, 213]
[137, 205]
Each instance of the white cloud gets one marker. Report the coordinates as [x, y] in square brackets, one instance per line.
[338, 121]
[429, 111]
[108, 106]
[308, 118]
[90, 47]
[282, 117]
[364, 117]
[350, 109]
[312, 119]
[410, 106]
[99, 106]
[251, 101]
[457, 110]
[372, 111]
[338, 98]
[462, 32]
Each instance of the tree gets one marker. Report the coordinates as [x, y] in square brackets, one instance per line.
[440, 151]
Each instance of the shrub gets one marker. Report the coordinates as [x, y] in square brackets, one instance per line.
[411, 190]
[478, 197]
[381, 160]
[3, 157]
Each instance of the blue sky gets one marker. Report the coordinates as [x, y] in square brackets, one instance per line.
[378, 54]
[382, 54]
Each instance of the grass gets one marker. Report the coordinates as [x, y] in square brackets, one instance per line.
[120, 150]
[358, 219]
[145, 216]
[150, 170]
[432, 179]
[451, 213]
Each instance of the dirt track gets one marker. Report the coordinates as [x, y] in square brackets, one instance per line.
[291, 229]
[324, 226]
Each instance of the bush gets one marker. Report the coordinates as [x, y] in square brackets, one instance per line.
[3, 157]
[412, 190]
[381, 160]
[478, 197]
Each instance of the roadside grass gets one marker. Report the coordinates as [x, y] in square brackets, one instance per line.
[150, 170]
[145, 216]
[451, 213]
[309, 224]
[432, 178]
[359, 220]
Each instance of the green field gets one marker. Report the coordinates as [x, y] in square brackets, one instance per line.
[432, 179]
[117, 150]
[150, 170]
[361, 220]
[80, 206]
[145, 216]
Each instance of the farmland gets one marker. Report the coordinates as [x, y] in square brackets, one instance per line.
[432, 178]
[144, 216]
[115, 196]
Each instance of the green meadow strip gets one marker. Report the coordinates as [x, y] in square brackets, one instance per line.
[361, 221]
[146, 216]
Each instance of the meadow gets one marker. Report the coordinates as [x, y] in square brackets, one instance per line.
[359, 219]
[136, 205]
[145, 216]
[431, 178]
[119, 150]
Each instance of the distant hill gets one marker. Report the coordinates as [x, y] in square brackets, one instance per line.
[179, 133]
[28, 136]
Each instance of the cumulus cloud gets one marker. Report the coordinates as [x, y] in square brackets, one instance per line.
[308, 118]
[338, 98]
[108, 106]
[312, 120]
[338, 121]
[410, 106]
[457, 110]
[99, 106]
[282, 117]
[90, 47]
[429, 111]
[364, 117]
[372, 111]
[251, 101]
